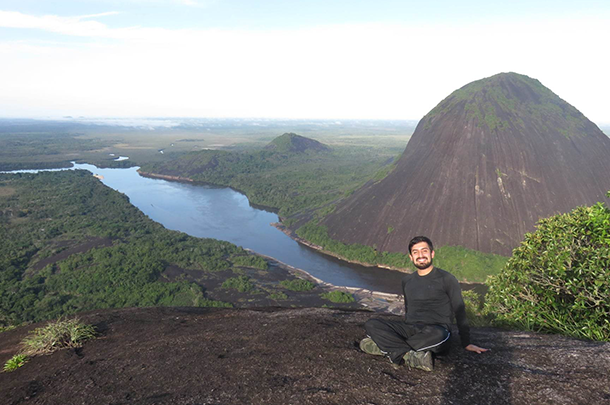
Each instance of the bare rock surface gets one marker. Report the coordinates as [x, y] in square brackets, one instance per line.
[293, 356]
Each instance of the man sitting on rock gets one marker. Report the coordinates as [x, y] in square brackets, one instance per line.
[431, 295]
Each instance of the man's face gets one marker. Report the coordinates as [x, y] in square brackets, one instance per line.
[421, 255]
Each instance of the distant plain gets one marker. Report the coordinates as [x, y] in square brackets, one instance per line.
[26, 143]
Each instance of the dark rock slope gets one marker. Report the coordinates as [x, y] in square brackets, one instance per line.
[481, 169]
[293, 356]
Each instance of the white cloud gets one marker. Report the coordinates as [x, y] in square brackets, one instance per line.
[98, 15]
[342, 71]
[63, 25]
[194, 3]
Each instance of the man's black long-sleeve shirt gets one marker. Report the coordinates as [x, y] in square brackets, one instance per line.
[433, 298]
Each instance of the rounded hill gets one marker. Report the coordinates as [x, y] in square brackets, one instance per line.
[291, 143]
[480, 170]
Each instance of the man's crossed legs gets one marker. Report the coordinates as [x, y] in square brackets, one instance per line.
[400, 341]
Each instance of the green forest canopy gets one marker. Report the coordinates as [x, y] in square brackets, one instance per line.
[123, 257]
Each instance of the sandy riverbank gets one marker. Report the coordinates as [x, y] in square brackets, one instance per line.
[375, 300]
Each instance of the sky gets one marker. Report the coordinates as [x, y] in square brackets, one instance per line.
[302, 59]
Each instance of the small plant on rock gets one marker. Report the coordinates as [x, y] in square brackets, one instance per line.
[15, 362]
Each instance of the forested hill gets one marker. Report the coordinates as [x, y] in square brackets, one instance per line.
[71, 244]
[297, 173]
[290, 142]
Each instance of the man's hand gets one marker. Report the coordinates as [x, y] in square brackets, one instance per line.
[474, 348]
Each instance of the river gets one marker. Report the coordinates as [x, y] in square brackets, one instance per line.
[222, 213]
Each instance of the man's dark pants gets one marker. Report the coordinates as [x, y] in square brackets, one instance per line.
[398, 337]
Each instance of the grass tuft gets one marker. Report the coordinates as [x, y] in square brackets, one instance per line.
[7, 328]
[64, 333]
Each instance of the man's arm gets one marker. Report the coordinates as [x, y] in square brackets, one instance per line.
[404, 296]
[459, 308]
[454, 291]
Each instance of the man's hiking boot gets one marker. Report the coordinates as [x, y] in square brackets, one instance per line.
[368, 346]
[421, 360]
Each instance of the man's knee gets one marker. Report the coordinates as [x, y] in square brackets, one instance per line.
[436, 333]
[373, 325]
[437, 337]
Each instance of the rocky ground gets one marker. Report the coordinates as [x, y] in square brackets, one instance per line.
[292, 356]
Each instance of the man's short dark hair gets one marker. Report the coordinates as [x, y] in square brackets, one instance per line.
[419, 239]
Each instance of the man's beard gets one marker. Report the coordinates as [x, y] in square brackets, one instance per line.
[423, 265]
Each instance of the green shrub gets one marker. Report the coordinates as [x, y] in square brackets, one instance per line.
[241, 284]
[63, 333]
[278, 296]
[254, 261]
[558, 278]
[298, 285]
[15, 362]
[338, 297]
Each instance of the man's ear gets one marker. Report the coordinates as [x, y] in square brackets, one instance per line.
[432, 255]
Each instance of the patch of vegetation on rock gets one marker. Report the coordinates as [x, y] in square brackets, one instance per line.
[298, 285]
[61, 334]
[241, 284]
[338, 297]
[253, 261]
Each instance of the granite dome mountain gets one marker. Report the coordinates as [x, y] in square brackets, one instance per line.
[480, 170]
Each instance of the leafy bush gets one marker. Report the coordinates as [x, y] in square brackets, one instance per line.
[558, 278]
[338, 297]
[15, 362]
[241, 284]
[298, 285]
[254, 261]
[278, 296]
[63, 333]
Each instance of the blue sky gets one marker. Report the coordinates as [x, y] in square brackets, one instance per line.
[290, 59]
